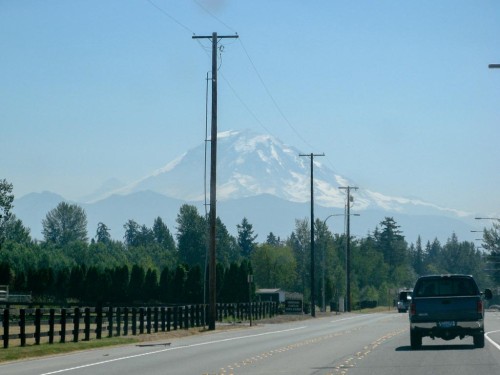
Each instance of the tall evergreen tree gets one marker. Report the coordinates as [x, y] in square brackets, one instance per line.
[432, 257]
[191, 236]
[162, 235]
[179, 284]
[136, 283]
[77, 282]
[120, 284]
[300, 243]
[151, 285]
[392, 243]
[418, 257]
[194, 285]
[166, 286]
[246, 238]
[102, 233]
[227, 249]
[273, 240]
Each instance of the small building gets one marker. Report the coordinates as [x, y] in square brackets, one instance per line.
[270, 295]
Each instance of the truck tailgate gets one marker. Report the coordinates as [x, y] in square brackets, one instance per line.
[446, 308]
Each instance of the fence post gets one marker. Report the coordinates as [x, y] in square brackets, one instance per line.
[86, 321]
[125, 321]
[110, 322]
[197, 314]
[118, 321]
[205, 314]
[52, 314]
[62, 333]
[186, 317]
[148, 320]
[98, 321]
[38, 321]
[176, 315]
[180, 317]
[134, 321]
[162, 314]
[141, 322]
[169, 318]
[22, 326]
[5, 322]
[155, 315]
[76, 324]
[192, 316]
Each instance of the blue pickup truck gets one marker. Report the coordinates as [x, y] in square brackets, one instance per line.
[447, 306]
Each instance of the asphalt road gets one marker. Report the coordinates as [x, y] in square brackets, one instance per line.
[352, 344]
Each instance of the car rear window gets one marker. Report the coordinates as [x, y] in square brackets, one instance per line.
[446, 286]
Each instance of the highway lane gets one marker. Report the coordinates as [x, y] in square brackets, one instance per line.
[457, 357]
[344, 344]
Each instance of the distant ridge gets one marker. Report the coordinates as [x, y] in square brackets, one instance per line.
[260, 178]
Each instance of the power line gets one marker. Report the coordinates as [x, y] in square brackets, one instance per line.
[273, 100]
[214, 16]
[170, 16]
[254, 116]
[275, 103]
[254, 67]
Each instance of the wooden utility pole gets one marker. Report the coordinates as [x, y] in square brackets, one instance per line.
[313, 287]
[348, 246]
[212, 311]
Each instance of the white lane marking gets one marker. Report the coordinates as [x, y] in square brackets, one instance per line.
[169, 349]
[341, 320]
[357, 317]
[491, 340]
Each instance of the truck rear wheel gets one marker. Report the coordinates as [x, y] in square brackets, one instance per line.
[479, 340]
[416, 340]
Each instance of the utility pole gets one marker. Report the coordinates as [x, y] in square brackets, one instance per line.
[313, 293]
[348, 245]
[212, 311]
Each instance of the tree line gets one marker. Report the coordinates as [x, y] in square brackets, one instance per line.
[124, 286]
[380, 262]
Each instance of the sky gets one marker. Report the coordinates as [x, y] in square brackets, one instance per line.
[397, 94]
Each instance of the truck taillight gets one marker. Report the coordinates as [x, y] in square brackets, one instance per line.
[480, 307]
[413, 309]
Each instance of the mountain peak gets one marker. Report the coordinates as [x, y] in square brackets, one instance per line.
[251, 164]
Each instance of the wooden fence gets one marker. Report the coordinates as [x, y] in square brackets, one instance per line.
[38, 325]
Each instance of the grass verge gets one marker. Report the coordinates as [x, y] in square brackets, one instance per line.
[34, 351]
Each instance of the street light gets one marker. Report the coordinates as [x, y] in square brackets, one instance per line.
[323, 273]
[494, 66]
[487, 218]
[347, 262]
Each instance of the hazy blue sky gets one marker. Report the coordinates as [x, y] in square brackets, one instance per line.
[397, 94]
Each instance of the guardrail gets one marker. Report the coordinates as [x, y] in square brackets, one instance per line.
[86, 323]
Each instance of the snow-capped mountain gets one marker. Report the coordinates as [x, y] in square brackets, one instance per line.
[260, 178]
[251, 164]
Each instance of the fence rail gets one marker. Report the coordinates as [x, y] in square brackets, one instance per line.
[86, 323]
